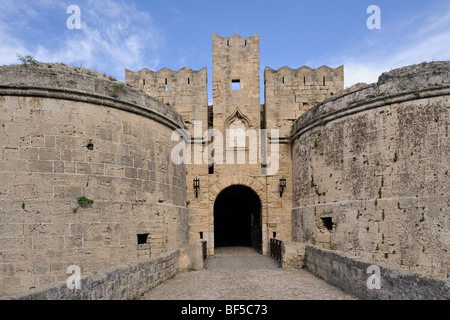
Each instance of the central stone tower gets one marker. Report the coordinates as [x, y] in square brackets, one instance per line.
[237, 199]
[236, 80]
[237, 106]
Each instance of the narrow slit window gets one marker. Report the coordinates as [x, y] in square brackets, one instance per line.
[324, 82]
[189, 82]
[143, 83]
[211, 169]
[245, 44]
[210, 117]
[201, 235]
[304, 81]
[228, 44]
[166, 88]
[236, 85]
[282, 81]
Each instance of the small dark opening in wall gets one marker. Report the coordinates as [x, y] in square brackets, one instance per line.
[324, 81]
[282, 80]
[245, 45]
[211, 169]
[274, 235]
[166, 88]
[201, 235]
[189, 82]
[143, 83]
[304, 81]
[210, 117]
[328, 223]
[142, 238]
[90, 146]
[228, 44]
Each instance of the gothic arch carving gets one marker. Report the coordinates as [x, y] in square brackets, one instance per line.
[237, 115]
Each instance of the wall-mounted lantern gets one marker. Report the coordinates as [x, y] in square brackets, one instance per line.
[196, 186]
[282, 186]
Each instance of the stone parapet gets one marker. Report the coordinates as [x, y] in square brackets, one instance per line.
[124, 282]
[414, 82]
[352, 273]
[59, 81]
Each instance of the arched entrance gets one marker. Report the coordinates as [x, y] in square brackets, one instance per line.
[237, 218]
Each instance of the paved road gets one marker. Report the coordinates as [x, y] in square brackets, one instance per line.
[242, 274]
[240, 258]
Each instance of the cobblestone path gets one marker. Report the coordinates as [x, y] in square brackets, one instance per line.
[240, 274]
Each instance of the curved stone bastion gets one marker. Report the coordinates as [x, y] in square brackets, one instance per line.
[371, 171]
[70, 135]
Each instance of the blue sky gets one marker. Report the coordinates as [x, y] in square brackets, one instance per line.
[118, 34]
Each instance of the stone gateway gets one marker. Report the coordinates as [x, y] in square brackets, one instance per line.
[237, 104]
[88, 177]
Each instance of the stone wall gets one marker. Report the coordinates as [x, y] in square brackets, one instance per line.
[191, 257]
[236, 58]
[351, 274]
[118, 283]
[291, 92]
[184, 90]
[68, 132]
[288, 94]
[292, 255]
[370, 171]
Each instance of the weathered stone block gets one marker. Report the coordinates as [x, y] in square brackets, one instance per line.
[48, 242]
[106, 158]
[29, 153]
[84, 168]
[40, 166]
[50, 142]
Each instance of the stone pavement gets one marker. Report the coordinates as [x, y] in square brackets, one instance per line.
[239, 258]
[242, 274]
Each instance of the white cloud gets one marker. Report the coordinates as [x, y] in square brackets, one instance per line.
[9, 47]
[115, 35]
[427, 39]
[356, 73]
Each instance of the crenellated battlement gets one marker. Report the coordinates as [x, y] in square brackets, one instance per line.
[184, 79]
[184, 90]
[305, 77]
[236, 43]
[291, 92]
[164, 83]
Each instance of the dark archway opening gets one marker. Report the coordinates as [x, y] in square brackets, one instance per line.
[237, 218]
